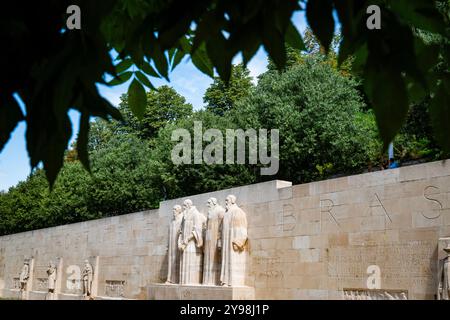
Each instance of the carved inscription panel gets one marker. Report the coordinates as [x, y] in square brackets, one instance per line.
[406, 260]
[115, 288]
[366, 294]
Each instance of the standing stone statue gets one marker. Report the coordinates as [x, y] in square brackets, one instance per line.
[443, 276]
[213, 243]
[234, 242]
[87, 276]
[190, 243]
[24, 275]
[51, 273]
[174, 254]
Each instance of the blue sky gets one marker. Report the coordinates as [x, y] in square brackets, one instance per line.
[186, 79]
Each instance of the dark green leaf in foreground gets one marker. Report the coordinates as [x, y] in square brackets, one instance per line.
[320, 17]
[293, 38]
[65, 67]
[421, 13]
[144, 80]
[124, 65]
[10, 115]
[122, 78]
[387, 92]
[82, 142]
[440, 115]
[201, 61]
[137, 98]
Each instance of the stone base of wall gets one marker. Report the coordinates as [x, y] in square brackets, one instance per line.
[198, 292]
[40, 295]
[25, 295]
[12, 294]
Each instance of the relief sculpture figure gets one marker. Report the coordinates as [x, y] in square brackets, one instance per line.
[234, 243]
[24, 275]
[443, 276]
[190, 243]
[87, 276]
[212, 246]
[174, 253]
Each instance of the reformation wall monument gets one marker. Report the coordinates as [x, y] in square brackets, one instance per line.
[380, 235]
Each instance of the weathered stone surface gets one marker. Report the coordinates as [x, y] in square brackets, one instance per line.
[199, 292]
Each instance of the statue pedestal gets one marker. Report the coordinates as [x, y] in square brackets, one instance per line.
[159, 291]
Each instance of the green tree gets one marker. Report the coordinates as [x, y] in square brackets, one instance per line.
[164, 105]
[318, 113]
[152, 37]
[415, 141]
[313, 48]
[221, 97]
[121, 182]
[186, 179]
[122, 177]
[23, 207]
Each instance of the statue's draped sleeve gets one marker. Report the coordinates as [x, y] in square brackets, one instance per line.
[239, 228]
[198, 228]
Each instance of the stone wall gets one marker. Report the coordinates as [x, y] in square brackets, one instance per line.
[321, 240]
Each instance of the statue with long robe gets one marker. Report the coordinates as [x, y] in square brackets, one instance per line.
[24, 275]
[190, 243]
[173, 271]
[51, 273]
[51, 281]
[234, 244]
[443, 277]
[87, 276]
[212, 246]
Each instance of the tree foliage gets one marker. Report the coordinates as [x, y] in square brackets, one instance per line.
[325, 130]
[317, 111]
[163, 106]
[182, 180]
[121, 182]
[221, 96]
[52, 69]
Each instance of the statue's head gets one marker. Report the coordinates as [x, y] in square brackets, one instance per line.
[212, 202]
[86, 262]
[26, 261]
[230, 200]
[187, 204]
[176, 210]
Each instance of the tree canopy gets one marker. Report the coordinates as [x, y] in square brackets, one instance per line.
[319, 114]
[162, 106]
[222, 96]
[326, 129]
[53, 69]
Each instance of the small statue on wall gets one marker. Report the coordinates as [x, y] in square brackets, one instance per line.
[24, 275]
[51, 273]
[443, 276]
[190, 244]
[234, 243]
[212, 246]
[173, 271]
[87, 276]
